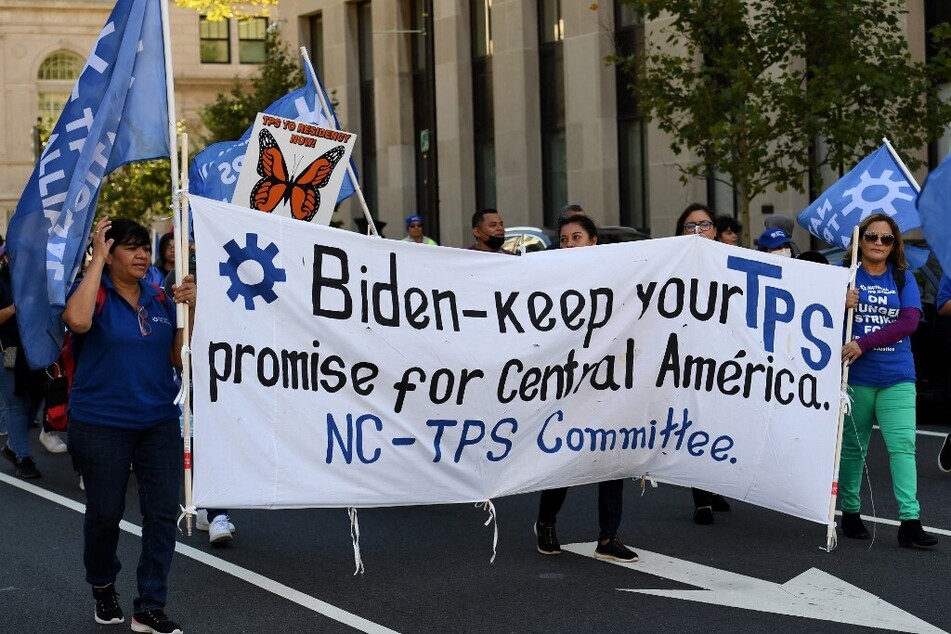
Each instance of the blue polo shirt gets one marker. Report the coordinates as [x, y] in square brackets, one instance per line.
[879, 305]
[944, 291]
[124, 378]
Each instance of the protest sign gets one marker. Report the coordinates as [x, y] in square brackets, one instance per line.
[300, 168]
[334, 370]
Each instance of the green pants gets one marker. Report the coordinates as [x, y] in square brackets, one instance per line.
[894, 410]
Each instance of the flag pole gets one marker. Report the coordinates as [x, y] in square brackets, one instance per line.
[186, 352]
[325, 108]
[180, 244]
[901, 164]
[843, 399]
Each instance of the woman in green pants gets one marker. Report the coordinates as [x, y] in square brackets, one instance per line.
[887, 307]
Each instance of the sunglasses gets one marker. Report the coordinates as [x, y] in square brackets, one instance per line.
[415, 225]
[886, 239]
[145, 328]
[704, 225]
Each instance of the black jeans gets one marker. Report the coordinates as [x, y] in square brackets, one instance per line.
[609, 506]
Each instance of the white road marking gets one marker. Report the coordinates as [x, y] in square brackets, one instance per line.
[814, 594]
[249, 576]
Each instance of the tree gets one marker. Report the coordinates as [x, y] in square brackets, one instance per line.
[768, 91]
[220, 9]
[228, 117]
[139, 191]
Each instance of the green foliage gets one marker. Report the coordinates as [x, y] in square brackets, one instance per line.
[229, 116]
[749, 86]
[139, 191]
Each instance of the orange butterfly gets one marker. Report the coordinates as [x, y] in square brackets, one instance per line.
[276, 186]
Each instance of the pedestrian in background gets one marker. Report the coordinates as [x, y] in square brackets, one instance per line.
[414, 231]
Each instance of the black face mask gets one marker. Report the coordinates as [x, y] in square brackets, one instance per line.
[495, 242]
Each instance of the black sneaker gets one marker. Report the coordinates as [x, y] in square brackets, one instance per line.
[547, 539]
[911, 534]
[8, 453]
[703, 515]
[156, 622]
[26, 469]
[614, 550]
[719, 503]
[107, 611]
[944, 456]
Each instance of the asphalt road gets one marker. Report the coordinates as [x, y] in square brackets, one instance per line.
[427, 569]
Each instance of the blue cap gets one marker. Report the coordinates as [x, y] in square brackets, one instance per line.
[414, 218]
[772, 239]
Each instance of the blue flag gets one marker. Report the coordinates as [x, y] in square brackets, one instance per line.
[877, 184]
[934, 206]
[214, 171]
[117, 113]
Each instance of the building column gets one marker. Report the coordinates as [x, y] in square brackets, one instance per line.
[454, 122]
[591, 110]
[517, 115]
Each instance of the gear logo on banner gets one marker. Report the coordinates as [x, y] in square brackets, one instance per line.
[252, 271]
[884, 202]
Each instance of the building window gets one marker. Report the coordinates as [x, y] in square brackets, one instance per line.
[315, 25]
[55, 79]
[367, 134]
[483, 109]
[60, 66]
[251, 35]
[551, 61]
[632, 136]
[215, 40]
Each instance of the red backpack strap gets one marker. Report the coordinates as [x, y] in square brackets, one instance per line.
[100, 298]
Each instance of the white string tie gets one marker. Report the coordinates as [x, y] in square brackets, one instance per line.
[355, 538]
[645, 479]
[191, 510]
[488, 507]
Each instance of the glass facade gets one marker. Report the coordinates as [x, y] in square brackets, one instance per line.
[483, 108]
[551, 67]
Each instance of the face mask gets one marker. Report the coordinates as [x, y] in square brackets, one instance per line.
[783, 253]
[495, 242]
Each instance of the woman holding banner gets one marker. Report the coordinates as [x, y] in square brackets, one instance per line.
[580, 231]
[122, 413]
[887, 307]
[700, 220]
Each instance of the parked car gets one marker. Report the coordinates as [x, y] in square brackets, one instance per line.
[522, 240]
[615, 233]
[930, 344]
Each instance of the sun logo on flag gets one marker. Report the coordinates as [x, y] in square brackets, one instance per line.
[886, 192]
[251, 270]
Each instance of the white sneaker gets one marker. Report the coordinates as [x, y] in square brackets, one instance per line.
[52, 442]
[201, 521]
[219, 531]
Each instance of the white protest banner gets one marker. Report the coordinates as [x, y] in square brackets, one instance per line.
[299, 169]
[336, 370]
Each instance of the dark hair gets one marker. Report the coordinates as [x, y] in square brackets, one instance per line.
[586, 223]
[813, 256]
[128, 233]
[162, 245]
[727, 223]
[692, 207]
[897, 257]
[478, 216]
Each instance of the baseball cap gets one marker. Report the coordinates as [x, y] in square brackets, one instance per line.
[774, 238]
[414, 218]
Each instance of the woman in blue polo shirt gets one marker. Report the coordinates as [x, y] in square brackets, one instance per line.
[122, 413]
[887, 307]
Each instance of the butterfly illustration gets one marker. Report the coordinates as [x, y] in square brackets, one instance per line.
[276, 185]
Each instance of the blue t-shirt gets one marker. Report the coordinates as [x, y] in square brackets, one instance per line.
[124, 378]
[944, 291]
[879, 305]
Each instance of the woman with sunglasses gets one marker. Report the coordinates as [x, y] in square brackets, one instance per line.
[698, 219]
[122, 413]
[887, 307]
